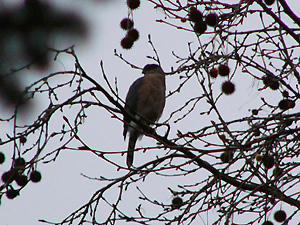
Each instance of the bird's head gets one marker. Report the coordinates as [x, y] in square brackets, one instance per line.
[152, 68]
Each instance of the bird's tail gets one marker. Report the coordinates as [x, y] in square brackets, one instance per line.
[133, 136]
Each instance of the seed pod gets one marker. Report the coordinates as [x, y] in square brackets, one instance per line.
[177, 202]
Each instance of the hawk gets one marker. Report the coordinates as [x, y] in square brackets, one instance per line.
[145, 100]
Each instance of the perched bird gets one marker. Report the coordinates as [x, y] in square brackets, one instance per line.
[145, 100]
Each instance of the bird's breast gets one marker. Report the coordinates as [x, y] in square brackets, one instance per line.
[152, 98]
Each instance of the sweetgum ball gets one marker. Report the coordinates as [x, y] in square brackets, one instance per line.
[19, 162]
[285, 94]
[223, 70]
[21, 180]
[9, 176]
[23, 139]
[2, 157]
[267, 80]
[35, 176]
[288, 122]
[286, 104]
[292, 104]
[226, 156]
[280, 216]
[126, 42]
[269, 2]
[126, 24]
[6, 176]
[228, 87]
[133, 34]
[133, 4]
[11, 194]
[258, 157]
[274, 85]
[213, 72]
[256, 132]
[177, 202]
[267, 223]
[268, 161]
[200, 27]
[195, 15]
[283, 104]
[277, 172]
[211, 19]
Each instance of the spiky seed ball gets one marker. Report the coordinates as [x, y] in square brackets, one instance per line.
[213, 72]
[274, 85]
[269, 2]
[223, 70]
[228, 87]
[126, 24]
[133, 34]
[258, 157]
[177, 202]
[254, 112]
[272, 200]
[200, 27]
[247, 145]
[226, 156]
[280, 216]
[2, 157]
[126, 43]
[256, 132]
[21, 180]
[268, 161]
[23, 139]
[35, 176]
[288, 122]
[286, 104]
[195, 15]
[283, 104]
[267, 80]
[292, 104]
[133, 4]
[277, 172]
[183, 20]
[19, 163]
[8, 176]
[267, 223]
[11, 193]
[211, 19]
[285, 94]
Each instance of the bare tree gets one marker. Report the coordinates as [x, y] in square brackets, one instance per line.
[248, 165]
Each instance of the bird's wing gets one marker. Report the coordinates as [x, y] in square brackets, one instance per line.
[131, 102]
